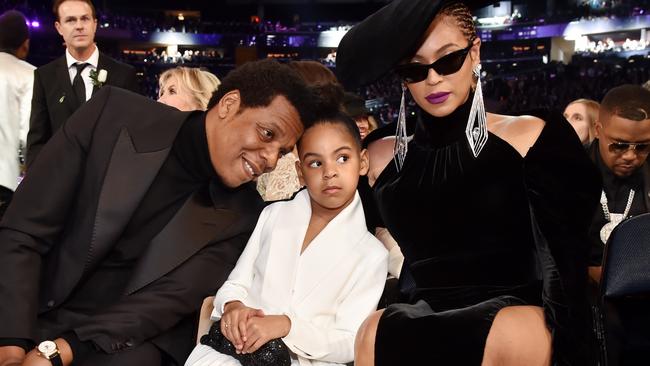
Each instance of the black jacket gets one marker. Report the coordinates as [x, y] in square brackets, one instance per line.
[73, 206]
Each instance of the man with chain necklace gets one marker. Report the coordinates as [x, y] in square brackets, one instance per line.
[621, 153]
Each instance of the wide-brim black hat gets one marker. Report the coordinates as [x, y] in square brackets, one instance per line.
[373, 47]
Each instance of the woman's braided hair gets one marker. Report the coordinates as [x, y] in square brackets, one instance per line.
[463, 17]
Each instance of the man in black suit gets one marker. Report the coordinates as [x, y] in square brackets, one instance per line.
[621, 154]
[133, 214]
[64, 84]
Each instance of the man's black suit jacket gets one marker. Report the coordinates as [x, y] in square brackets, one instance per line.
[54, 101]
[72, 207]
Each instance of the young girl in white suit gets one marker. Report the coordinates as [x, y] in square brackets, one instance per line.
[311, 272]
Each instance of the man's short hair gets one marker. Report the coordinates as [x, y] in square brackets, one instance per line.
[259, 82]
[57, 4]
[627, 101]
[13, 31]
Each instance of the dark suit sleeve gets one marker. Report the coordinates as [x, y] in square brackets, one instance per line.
[160, 305]
[39, 120]
[37, 216]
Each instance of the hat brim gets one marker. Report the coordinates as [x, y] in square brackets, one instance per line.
[373, 47]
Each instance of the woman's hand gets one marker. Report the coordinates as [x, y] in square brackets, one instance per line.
[261, 330]
[234, 320]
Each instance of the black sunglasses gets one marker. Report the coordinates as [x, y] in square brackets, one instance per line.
[622, 147]
[446, 65]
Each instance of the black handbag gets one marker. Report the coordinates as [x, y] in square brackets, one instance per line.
[272, 353]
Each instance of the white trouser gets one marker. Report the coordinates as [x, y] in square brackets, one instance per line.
[203, 355]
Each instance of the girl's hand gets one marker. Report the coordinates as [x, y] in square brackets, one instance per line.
[261, 330]
[233, 322]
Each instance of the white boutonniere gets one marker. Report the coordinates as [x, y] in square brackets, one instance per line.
[98, 78]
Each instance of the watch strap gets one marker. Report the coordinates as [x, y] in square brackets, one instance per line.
[56, 360]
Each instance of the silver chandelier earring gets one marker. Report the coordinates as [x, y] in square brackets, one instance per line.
[401, 139]
[476, 131]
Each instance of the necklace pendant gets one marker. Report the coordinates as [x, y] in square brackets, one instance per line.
[607, 229]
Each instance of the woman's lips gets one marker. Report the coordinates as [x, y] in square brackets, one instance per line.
[437, 98]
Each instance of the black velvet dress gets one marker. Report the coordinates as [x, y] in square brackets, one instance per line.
[479, 234]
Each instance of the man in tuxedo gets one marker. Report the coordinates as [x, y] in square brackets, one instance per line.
[621, 154]
[64, 84]
[133, 214]
[16, 80]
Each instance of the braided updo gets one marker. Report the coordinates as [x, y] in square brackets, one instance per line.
[461, 14]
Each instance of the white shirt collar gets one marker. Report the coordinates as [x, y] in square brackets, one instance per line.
[92, 60]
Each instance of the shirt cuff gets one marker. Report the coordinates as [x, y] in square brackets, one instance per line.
[25, 344]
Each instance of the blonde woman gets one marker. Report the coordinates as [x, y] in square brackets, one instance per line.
[582, 114]
[187, 88]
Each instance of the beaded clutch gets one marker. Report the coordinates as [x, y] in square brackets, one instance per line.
[272, 353]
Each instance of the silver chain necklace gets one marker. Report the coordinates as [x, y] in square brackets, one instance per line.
[613, 219]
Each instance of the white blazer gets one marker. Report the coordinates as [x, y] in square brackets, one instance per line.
[16, 85]
[327, 292]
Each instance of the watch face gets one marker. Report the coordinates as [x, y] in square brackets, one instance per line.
[47, 348]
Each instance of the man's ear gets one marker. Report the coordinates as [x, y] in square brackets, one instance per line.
[229, 104]
[57, 25]
[301, 179]
[364, 163]
[599, 127]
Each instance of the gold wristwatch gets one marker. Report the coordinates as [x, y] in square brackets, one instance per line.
[50, 351]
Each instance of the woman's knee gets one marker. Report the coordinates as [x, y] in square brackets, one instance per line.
[518, 336]
[364, 345]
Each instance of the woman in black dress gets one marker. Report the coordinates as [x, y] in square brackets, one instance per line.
[491, 211]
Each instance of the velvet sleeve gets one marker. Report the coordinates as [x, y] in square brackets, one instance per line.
[563, 188]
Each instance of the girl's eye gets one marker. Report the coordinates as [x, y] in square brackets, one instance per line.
[314, 164]
[172, 91]
[342, 159]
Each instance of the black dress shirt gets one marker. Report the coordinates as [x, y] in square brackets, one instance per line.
[617, 189]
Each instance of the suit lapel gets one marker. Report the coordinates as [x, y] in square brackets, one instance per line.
[68, 97]
[281, 244]
[191, 229]
[128, 177]
[329, 249]
[102, 64]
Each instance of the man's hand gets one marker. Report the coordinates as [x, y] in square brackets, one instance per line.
[65, 352]
[261, 330]
[11, 356]
[234, 322]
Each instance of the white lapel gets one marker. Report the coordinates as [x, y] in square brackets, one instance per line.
[329, 248]
[283, 235]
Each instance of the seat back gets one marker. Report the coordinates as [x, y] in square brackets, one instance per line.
[625, 293]
[626, 266]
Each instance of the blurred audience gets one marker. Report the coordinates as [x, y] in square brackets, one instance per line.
[355, 107]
